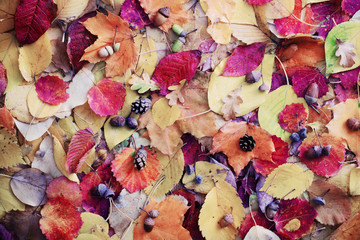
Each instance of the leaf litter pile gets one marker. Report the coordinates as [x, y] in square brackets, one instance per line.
[176, 119]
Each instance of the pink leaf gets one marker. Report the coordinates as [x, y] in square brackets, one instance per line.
[350, 6]
[257, 2]
[132, 12]
[32, 19]
[3, 79]
[304, 77]
[175, 67]
[52, 90]
[191, 149]
[80, 146]
[244, 59]
[342, 93]
[106, 97]
[79, 40]
[208, 46]
[349, 78]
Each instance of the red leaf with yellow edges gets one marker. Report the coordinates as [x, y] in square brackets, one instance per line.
[325, 166]
[293, 117]
[63, 187]
[294, 218]
[52, 90]
[127, 174]
[80, 146]
[178, 15]
[168, 224]
[106, 97]
[248, 222]
[227, 141]
[60, 219]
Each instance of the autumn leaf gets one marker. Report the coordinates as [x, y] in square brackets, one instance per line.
[176, 94]
[345, 51]
[8, 9]
[6, 120]
[293, 117]
[132, 12]
[256, 218]
[63, 187]
[7, 198]
[348, 229]
[52, 90]
[158, 109]
[142, 84]
[227, 141]
[231, 104]
[106, 97]
[69, 10]
[3, 79]
[10, 154]
[110, 29]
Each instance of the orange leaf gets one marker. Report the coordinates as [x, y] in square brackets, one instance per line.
[168, 225]
[347, 230]
[227, 141]
[6, 120]
[128, 176]
[105, 27]
[178, 15]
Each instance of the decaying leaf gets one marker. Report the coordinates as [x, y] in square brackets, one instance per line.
[176, 94]
[231, 104]
[142, 84]
[10, 153]
[345, 51]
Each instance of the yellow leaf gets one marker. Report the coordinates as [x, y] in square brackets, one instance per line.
[172, 169]
[274, 103]
[278, 8]
[7, 12]
[293, 225]
[354, 185]
[87, 236]
[69, 10]
[38, 108]
[90, 220]
[34, 58]
[68, 126]
[220, 87]
[8, 200]
[342, 178]
[147, 61]
[220, 32]
[209, 172]
[163, 120]
[85, 117]
[10, 154]
[248, 33]
[9, 55]
[287, 181]
[221, 200]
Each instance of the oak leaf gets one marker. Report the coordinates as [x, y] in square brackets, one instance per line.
[176, 94]
[106, 28]
[231, 104]
[142, 84]
[345, 50]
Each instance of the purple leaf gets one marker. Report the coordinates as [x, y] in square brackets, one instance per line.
[5, 234]
[132, 12]
[191, 148]
[230, 177]
[350, 6]
[208, 46]
[349, 78]
[244, 59]
[304, 77]
[277, 81]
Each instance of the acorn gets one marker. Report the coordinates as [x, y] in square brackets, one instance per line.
[106, 51]
[178, 30]
[312, 93]
[253, 76]
[198, 179]
[263, 87]
[149, 224]
[313, 152]
[289, 52]
[161, 16]
[353, 124]
[226, 220]
[153, 213]
[116, 47]
[178, 44]
[272, 208]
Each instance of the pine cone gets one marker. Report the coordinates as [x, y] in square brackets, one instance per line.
[140, 159]
[141, 105]
[247, 143]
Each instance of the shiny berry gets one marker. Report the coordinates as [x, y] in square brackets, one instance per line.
[302, 133]
[189, 169]
[131, 123]
[117, 121]
[313, 152]
[326, 150]
[294, 137]
[198, 179]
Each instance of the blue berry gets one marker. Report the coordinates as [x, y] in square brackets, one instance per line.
[198, 179]
[302, 133]
[319, 200]
[294, 137]
[189, 169]
[131, 123]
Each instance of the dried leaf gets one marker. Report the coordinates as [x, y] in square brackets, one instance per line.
[69, 10]
[38, 108]
[293, 117]
[8, 200]
[91, 222]
[10, 154]
[8, 9]
[255, 218]
[52, 90]
[231, 104]
[354, 182]
[345, 50]
[33, 131]
[63, 187]
[3, 79]
[6, 120]
[249, 34]
[142, 84]
[85, 117]
[258, 232]
[176, 94]
[347, 230]
[278, 9]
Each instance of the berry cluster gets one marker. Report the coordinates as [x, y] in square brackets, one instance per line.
[297, 136]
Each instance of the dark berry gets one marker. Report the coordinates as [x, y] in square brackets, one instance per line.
[131, 123]
[189, 169]
[100, 190]
[313, 152]
[117, 121]
[319, 200]
[326, 150]
[247, 143]
[294, 137]
[198, 179]
[302, 133]
[149, 224]
[141, 105]
[140, 159]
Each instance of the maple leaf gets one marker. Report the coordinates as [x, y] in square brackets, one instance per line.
[231, 104]
[80, 146]
[60, 219]
[293, 117]
[176, 94]
[345, 50]
[127, 174]
[32, 19]
[52, 90]
[107, 28]
[244, 59]
[142, 84]
[63, 187]
[227, 141]
[106, 97]
[178, 15]
[175, 67]
[132, 12]
[337, 206]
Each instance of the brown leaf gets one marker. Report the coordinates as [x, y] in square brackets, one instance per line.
[231, 104]
[348, 230]
[345, 50]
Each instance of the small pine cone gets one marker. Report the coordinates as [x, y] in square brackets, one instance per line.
[141, 105]
[247, 143]
[140, 159]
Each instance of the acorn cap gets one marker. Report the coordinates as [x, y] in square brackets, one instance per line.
[165, 11]
[149, 224]
[253, 76]
[154, 213]
[226, 220]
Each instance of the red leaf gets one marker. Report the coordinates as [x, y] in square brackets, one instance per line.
[63, 187]
[132, 12]
[348, 78]
[191, 149]
[127, 174]
[79, 40]
[291, 25]
[106, 97]
[52, 90]
[350, 6]
[32, 19]
[325, 166]
[6, 120]
[248, 223]
[343, 94]
[293, 117]
[60, 219]
[244, 59]
[175, 67]
[257, 2]
[80, 146]
[3, 78]
[279, 157]
[304, 77]
[290, 210]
